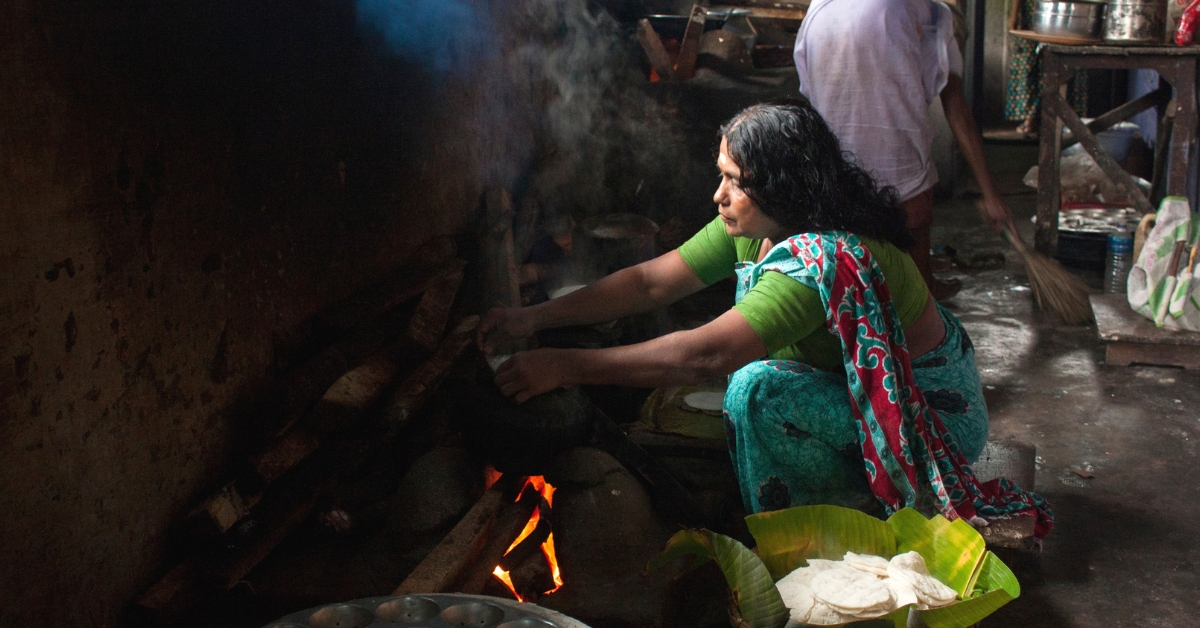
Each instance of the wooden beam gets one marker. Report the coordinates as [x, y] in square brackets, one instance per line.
[655, 51]
[1050, 150]
[689, 49]
[1155, 98]
[1123, 180]
[428, 323]
[416, 388]
[502, 288]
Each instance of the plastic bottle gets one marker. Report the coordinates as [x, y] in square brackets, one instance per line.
[1119, 260]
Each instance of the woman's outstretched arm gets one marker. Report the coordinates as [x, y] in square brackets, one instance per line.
[684, 357]
[646, 286]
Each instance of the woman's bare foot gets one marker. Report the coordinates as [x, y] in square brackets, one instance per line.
[1027, 128]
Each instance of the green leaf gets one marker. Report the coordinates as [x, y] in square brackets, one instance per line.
[693, 545]
[952, 550]
[1001, 587]
[753, 589]
[787, 538]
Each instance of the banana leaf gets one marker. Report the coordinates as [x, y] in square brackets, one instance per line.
[753, 588]
[954, 552]
[787, 538]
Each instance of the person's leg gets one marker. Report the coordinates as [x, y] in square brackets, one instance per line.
[793, 438]
[949, 381]
[918, 212]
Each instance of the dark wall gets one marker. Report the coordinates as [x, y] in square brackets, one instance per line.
[182, 184]
[179, 183]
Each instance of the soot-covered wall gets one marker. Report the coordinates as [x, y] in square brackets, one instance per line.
[182, 182]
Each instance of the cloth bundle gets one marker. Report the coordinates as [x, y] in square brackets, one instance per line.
[1163, 285]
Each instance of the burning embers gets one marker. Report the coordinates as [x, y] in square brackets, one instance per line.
[532, 578]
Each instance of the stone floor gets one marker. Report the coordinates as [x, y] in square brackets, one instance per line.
[1123, 552]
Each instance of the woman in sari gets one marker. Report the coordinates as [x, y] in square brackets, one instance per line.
[824, 403]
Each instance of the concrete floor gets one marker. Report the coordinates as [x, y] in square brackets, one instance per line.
[1123, 552]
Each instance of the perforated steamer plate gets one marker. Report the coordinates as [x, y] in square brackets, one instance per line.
[435, 610]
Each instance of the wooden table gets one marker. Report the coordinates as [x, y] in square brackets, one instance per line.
[1130, 338]
[1176, 102]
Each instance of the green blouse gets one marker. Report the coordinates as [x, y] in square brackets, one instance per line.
[786, 314]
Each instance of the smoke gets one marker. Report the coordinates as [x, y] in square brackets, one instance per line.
[551, 99]
[600, 134]
[436, 34]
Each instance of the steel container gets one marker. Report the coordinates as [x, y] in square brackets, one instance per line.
[1136, 22]
[1068, 19]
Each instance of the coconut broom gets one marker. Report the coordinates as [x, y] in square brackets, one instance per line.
[1054, 288]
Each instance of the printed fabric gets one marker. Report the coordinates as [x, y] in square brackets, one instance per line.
[910, 457]
[1023, 93]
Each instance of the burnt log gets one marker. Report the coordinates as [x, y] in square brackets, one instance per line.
[528, 546]
[509, 524]
[655, 51]
[225, 560]
[305, 385]
[444, 566]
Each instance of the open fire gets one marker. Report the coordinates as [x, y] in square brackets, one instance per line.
[536, 525]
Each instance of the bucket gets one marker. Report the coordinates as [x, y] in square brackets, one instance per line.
[1136, 22]
[1068, 19]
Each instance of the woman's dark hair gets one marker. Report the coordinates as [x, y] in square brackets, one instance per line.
[795, 171]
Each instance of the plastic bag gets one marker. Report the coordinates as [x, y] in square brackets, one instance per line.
[1169, 299]
[1186, 33]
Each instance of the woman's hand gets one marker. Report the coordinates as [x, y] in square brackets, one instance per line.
[501, 327]
[995, 213]
[531, 373]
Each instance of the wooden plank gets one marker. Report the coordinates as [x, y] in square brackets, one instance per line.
[1113, 170]
[339, 408]
[1155, 98]
[428, 323]
[775, 11]
[167, 601]
[308, 382]
[1124, 51]
[290, 500]
[417, 387]
[689, 48]
[1116, 322]
[443, 566]
[501, 284]
[1126, 353]
[652, 44]
[1051, 39]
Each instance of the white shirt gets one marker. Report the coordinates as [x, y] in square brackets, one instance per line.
[872, 68]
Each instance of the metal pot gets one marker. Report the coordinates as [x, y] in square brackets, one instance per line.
[525, 438]
[1136, 22]
[1068, 19]
[1083, 234]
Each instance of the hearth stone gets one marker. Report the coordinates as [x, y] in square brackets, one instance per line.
[437, 490]
[605, 529]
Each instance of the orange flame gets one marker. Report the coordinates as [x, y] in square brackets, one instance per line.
[547, 491]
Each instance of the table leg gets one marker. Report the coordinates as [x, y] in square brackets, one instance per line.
[1048, 195]
[1184, 133]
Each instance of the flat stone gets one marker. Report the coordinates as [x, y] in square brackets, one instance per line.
[436, 491]
[605, 531]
